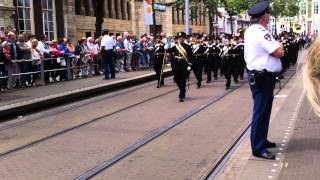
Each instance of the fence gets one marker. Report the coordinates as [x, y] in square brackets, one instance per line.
[60, 65]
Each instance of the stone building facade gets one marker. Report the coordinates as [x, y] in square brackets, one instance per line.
[124, 15]
[7, 13]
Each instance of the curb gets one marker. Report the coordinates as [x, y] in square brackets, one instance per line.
[73, 95]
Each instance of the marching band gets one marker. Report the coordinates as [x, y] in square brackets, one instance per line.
[212, 55]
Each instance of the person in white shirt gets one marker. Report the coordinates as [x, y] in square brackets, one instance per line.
[128, 51]
[107, 45]
[44, 48]
[262, 54]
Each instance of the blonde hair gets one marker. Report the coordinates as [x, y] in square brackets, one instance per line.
[34, 43]
[311, 76]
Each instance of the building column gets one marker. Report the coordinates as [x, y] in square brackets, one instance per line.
[173, 15]
[90, 8]
[118, 9]
[129, 9]
[113, 9]
[106, 9]
[124, 9]
[181, 17]
[59, 18]
[38, 21]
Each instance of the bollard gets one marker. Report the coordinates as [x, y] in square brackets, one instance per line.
[68, 69]
[42, 71]
[10, 72]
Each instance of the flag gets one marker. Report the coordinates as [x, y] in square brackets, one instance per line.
[148, 18]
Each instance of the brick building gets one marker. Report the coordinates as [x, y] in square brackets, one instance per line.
[124, 15]
[7, 13]
[76, 18]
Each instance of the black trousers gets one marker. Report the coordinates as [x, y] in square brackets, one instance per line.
[197, 66]
[158, 64]
[181, 74]
[230, 69]
[212, 66]
[108, 64]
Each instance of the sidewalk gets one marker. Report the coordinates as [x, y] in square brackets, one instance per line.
[293, 136]
[24, 99]
[296, 130]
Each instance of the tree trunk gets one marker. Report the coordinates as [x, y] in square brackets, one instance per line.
[99, 12]
[210, 24]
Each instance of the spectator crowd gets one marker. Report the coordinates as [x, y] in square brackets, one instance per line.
[25, 55]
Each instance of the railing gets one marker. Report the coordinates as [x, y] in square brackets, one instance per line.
[8, 75]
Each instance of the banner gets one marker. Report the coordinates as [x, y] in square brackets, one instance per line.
[148, 20]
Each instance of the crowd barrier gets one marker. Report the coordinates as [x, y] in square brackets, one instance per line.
[7, 73]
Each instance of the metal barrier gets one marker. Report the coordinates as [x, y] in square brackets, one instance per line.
[8, 75]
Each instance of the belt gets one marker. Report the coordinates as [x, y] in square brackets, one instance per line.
[213, 53]
[179, 57]
[264, 72]
[198, 55]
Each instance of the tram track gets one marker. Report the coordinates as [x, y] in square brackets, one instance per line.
[75, 106]
[152, 136]
[157, 133]
[72, 107]
[77, 126]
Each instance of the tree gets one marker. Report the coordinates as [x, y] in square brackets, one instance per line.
[99, 12]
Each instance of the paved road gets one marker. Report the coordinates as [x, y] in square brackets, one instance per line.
[119, 120]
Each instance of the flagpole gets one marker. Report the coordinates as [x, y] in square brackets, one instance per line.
[187, 22]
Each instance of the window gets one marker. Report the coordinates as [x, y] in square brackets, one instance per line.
[315, 7]
[47, 17]
[24, 14]
[303, 8]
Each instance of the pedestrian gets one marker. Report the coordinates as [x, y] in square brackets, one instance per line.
[107, 47]
[262, 55]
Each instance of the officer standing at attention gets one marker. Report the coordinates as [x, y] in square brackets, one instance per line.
[262, 55]
[181, 54]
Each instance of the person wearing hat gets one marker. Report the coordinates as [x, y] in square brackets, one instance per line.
[198, 60]
[159, 60]
[181, 54]
[213, 59]
[262, 55]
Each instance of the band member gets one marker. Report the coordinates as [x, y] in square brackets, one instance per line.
[181, 53]
[159, 60]
[229, 64]
[213, 60]
[198, 59]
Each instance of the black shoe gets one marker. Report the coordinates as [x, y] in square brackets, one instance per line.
[158, 86]
[198, 85]
[105, 78]
[270, 144]
[208, 81]
[236, 81]
[181, 99]
[227, 87]
[265, 155]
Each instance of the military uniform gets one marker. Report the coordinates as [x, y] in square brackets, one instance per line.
[262, 69]
[213, 60]
[180, 55]
[159, 61]
[198, 61]
[229, 65]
